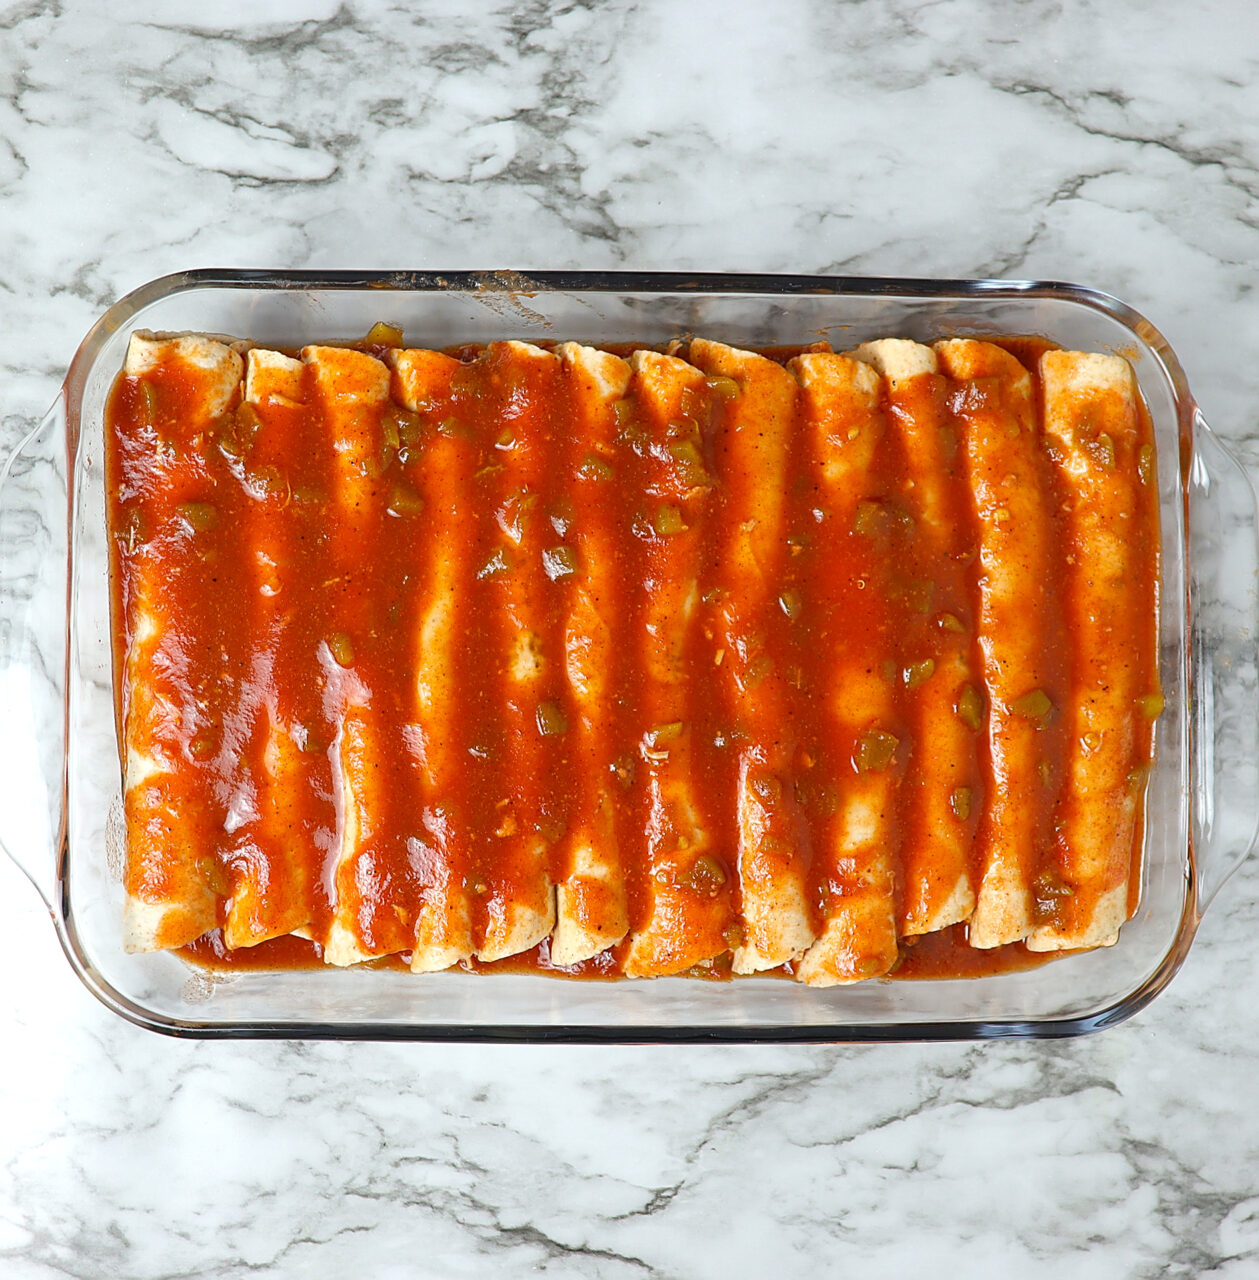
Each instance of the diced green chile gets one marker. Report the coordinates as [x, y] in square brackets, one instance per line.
[868, 519]
[668, 520]
[267, 480]
[199, 517]
[562, 515]
[559, 562]
[1035, 705]
[663, 734]
[876, 749]
[383, 335]
[1152, 705]
[497, 565]
[248, 423]
[918, 673]
[404, 501]
[706, 876]
[970, 708]
[551, 719]
[691, 464]
[410, 428]
[594, 468]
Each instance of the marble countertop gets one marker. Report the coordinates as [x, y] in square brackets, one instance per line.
[882, 137]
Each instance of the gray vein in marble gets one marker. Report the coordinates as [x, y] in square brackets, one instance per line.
[20, 13]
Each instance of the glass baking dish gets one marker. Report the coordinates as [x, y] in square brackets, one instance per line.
[60, 790]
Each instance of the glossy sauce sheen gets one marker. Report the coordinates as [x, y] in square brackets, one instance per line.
[337, 639]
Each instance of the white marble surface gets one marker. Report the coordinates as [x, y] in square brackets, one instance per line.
[1116, 145]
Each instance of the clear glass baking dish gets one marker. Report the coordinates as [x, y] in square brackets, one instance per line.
[60, 793]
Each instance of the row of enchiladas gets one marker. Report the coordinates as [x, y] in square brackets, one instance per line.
[635, 663]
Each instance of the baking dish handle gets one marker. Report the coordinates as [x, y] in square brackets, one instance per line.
[1224, 661]
[33, 595]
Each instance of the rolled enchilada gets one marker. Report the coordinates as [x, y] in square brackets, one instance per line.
[592, 908]
[752, 445]
[174, 701]
[854, 877]
[372, 887]
[519, 666]
[1094, 433]
[275, 887]
[943, 790]
[1020, 625]
[431, 506]
[684, 883]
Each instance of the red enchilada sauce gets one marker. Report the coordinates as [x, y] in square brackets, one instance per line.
[343, 623]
